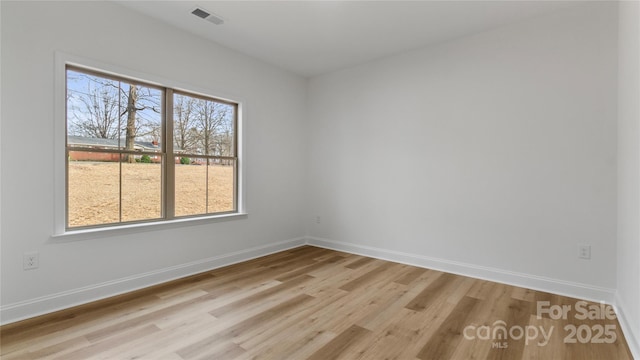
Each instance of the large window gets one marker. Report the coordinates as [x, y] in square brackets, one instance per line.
[140, 152]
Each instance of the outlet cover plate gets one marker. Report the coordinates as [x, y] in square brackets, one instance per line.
[30, 260]
[584, 251]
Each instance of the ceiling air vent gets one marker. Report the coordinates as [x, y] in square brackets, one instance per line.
[204, 14]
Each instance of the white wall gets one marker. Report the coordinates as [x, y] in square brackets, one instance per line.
[493, 155]
[78, 271]
[628, 286]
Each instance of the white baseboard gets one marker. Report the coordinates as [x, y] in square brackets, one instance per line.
[555, 286]
[631, 334]
[50, 303]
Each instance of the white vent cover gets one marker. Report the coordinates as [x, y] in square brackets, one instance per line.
[207, 15]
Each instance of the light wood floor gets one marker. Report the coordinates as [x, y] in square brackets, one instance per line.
[312, 303]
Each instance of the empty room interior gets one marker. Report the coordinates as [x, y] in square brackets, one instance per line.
[320, 179]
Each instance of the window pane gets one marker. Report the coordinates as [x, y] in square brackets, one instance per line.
[203, 127]
[141, 187]
[190, 186]
[94, 105]
[93, 188]
[109, 114]
[221, 176]
[223, 137]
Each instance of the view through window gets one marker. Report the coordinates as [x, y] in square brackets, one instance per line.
[122, 166]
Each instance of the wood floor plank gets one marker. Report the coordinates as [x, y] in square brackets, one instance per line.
[515, 312]
[307, 328]
[523, 294]
[411, 274]
[339, 346]
[194, 328]
[361, 305]
[555, 349]
[142, 320]
[42, 332]
[449, 335]
[310, 303]
[56, 349]
[261, 319]
[302, 348]
[206, 306]
[360, 262]
[428, 295]
[389, 312]
[481, 289]
[414, 328]
[491, 311]
[259, 297]
[119, 339]
[306, 269]
[367, 279]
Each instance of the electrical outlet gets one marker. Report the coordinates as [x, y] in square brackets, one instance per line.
[584, 251]
[317, 219]
[30, 260]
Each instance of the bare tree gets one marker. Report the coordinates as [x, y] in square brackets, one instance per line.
[131, 111]
[139, 99]
[210, 118]
[184, 122]
[95, 112]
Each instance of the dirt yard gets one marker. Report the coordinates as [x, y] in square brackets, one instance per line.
[95, 192]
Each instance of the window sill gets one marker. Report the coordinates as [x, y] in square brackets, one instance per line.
[86, 234]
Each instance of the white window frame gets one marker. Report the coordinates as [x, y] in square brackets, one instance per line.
[60, 231]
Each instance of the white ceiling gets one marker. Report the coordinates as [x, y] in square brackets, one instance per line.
[315, 37]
